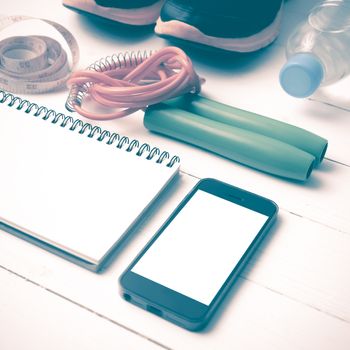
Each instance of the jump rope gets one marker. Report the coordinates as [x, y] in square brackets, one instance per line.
[129, 82]
[166, 86]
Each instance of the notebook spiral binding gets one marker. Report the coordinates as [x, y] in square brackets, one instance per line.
[121, 142]
[128, 59]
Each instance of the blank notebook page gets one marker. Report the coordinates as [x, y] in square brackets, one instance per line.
[69, 190]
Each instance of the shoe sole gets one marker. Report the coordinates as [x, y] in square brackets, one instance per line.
[140, 16]
[184, 31]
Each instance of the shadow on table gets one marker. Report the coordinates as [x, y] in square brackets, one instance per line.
[111, 30]
[174, 186]
[222, 62]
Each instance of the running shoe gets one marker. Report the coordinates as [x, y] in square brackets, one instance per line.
[233, 25]
[134, 12]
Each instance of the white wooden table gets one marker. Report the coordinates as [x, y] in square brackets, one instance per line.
[295, 293]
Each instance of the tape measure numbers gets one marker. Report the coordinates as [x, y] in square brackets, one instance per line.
[34, 63]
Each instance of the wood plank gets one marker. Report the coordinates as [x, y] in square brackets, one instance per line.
[293, 295]
[298, 280]
[36, 318]
[254, 316]
[307, 262]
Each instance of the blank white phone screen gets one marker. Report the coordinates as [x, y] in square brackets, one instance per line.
[199, 249]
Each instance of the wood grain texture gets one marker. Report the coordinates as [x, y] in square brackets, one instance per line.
[295, 292]
[39, 319]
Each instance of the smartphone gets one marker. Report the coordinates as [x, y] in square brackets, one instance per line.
[188, 267]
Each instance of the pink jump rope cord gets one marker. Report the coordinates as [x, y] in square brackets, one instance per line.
[165, 74]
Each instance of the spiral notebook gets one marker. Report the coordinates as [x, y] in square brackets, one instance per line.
[71, 187]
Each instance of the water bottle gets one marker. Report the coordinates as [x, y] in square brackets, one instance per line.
[318, 51]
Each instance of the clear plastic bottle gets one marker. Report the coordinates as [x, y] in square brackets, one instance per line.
[318, 51]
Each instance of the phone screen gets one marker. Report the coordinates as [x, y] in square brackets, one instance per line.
[198, 250]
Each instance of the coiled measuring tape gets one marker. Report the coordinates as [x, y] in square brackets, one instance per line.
[35, 63]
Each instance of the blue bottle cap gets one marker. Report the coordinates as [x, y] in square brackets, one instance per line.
[301, 75]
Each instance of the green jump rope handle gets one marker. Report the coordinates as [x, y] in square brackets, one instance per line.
[239, 118]
[258, 151]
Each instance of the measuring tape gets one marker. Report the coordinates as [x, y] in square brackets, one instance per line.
[34, 63]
